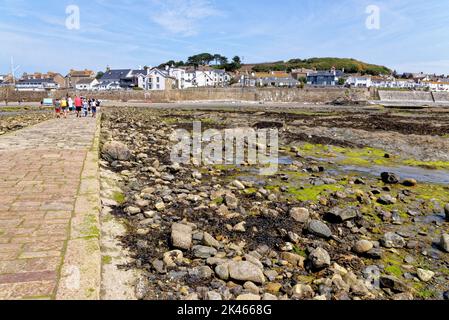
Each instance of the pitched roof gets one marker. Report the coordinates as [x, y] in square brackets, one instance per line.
[137, 72]
[115, 74]
[86, 81]
[36, 81]
[80, 73]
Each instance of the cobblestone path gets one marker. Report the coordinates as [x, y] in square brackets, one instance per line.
[40, 178]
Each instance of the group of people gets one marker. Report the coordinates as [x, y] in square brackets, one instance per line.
[82, 106]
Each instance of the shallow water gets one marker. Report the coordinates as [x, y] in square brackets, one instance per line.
[405, 172]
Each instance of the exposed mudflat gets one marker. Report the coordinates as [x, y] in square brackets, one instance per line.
[325, 226]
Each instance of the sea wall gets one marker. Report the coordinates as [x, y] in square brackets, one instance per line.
[309, 95]
[417, 96]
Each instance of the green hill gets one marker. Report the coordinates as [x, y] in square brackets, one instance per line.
[350, 66]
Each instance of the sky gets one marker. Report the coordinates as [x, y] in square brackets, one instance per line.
[412, 35]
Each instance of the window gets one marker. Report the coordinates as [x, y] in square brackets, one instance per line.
[158, 86]
[157, 79]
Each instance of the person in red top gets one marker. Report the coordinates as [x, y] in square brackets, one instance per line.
[78, 106]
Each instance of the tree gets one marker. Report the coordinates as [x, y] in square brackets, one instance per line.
[237, 60]
[223, 60]
[217, 58]
[100, 75]
[200, 59]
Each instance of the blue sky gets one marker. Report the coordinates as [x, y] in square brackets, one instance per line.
[413, 35]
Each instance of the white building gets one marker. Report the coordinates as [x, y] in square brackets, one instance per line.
[36, 85]
[86, 84]
[199, 77]
[436, 86]
[157, 79]
[363, 82]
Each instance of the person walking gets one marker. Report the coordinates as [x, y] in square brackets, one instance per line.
[64, 107]
[57, 105]
[70, 104]
[78, 106]
[93, 106]
[85, 107]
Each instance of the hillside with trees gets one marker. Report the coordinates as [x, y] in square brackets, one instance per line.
[349, 65]
[206, 59]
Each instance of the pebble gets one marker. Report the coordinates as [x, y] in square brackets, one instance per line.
[251, 287]
[425, 275]
[133, 210]
[203, 252]
[171, 258]
[222, 271]
[300, 215]
[238, 185]
[211, 241]
[269, 297]
[294, 259]
[444, 242]
[212, 295]
[303, 291]
[363, 246]
[386, 200]
[248, 297]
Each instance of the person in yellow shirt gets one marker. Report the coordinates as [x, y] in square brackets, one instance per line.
[64, 107]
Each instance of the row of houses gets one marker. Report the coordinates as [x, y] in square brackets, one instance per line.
[440, 84]
[188, 77]
[126, 79]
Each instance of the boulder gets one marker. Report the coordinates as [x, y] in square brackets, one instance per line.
[245, 271]
[337, 214]
[446, 211]
[390, 178]
[319, 229]
[393, 284]
[409, 182]
[392, 240]
[114, 150]
[181, 236]
[320, 258]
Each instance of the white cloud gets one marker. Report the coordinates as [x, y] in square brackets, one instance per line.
[183, 16]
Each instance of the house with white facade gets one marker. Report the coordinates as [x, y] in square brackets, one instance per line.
[36, 85]
[199, 77]
[86, 84]
[359, 81]
[436, 85]
[157, 79]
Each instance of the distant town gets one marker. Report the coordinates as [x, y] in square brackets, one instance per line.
[199, 71]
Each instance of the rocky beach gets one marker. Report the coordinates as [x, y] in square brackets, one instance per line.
[358, 209]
